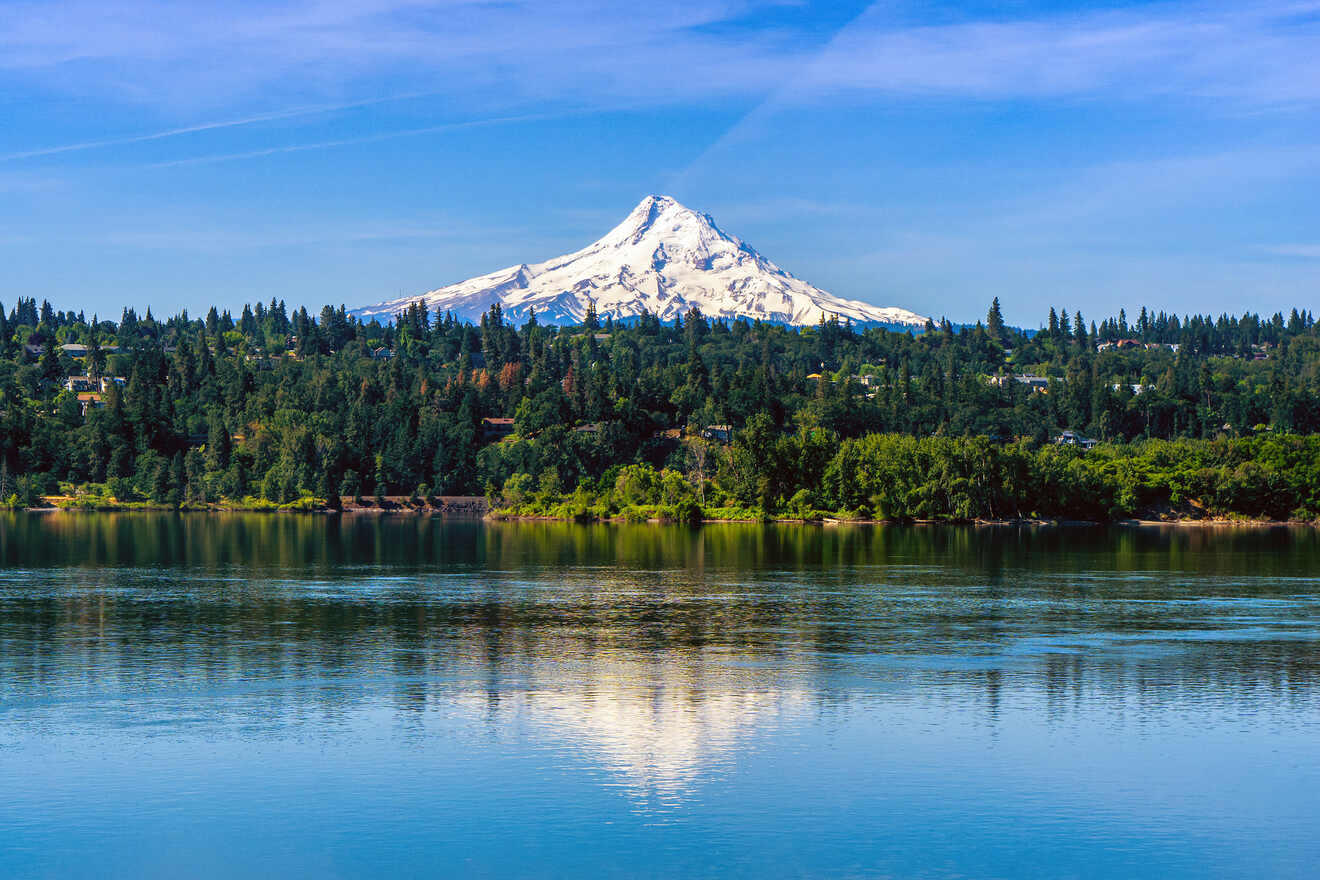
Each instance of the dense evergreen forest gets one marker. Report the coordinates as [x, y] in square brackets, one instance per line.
[1151, 415]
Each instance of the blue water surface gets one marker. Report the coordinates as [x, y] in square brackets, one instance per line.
[287, 696]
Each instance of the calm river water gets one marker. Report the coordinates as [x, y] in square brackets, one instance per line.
[297, 696]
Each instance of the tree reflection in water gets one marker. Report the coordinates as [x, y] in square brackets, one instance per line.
[660, 651]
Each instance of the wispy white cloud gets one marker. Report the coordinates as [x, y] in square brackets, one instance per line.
[502, 58]
[216, 125]
[1303, 251]
[150, 49]
[779, 207]
[163, 51]
[28, 183]
[1243, 57]
[1115, 194]
[200, 236]
[353, 141]
[1257, 52]
[1114, 210]
[1110, 235]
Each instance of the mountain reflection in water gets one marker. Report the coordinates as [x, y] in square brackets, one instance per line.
[750, 680]
[660, 727]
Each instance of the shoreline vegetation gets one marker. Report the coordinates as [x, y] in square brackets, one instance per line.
[1191, 419]
[635, 516]
[874, 479]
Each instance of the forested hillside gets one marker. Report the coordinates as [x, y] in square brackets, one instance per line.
[296, 409]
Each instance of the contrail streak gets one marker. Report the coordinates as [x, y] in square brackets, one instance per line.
[206, 126]
[365, 139]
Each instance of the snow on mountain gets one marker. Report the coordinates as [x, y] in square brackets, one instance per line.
[663, 259]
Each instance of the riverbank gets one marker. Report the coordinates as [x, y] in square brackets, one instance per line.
[476, 507]
[827, 521]
[449, 505]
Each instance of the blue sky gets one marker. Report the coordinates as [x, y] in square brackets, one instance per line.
[931, 156]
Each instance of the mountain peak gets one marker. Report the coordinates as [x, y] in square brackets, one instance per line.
[652, 210]
[663, 259]
[657, 199]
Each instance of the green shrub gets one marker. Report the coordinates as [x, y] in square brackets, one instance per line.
[685, 511]
[635, 513]
[803, 505]
[305, 503]
[735, 513]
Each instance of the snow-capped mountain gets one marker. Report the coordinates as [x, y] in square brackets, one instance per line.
[663, 259]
